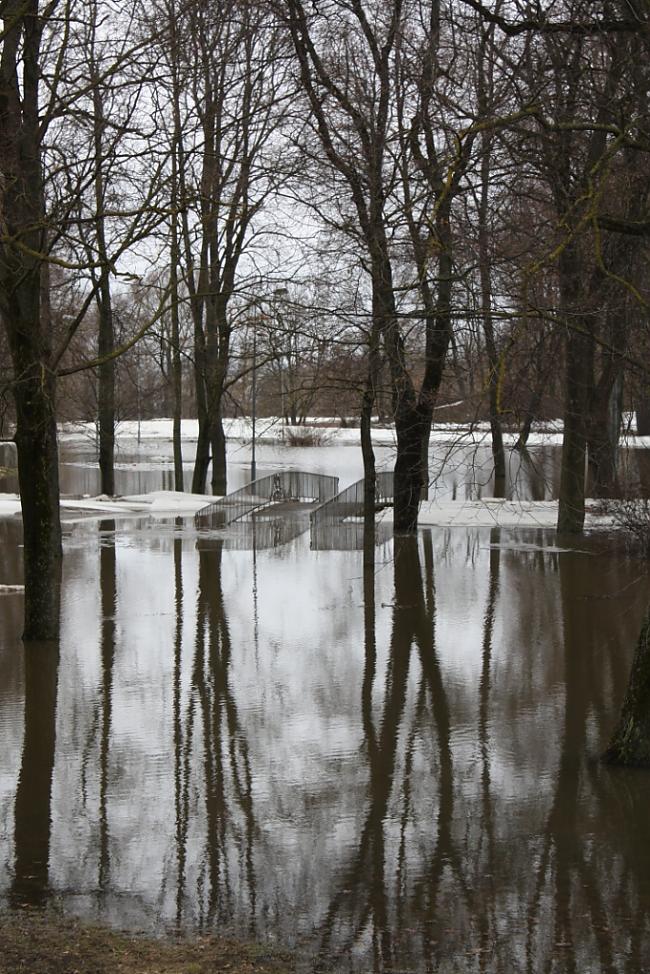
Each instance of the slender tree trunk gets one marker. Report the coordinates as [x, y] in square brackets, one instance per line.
[494, 362]
[106, 338]
[485, 92]
[106, 388]
[176, 361]
[529, 418]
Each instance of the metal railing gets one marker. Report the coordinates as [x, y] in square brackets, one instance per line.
[281, 487]
[331, 531]
[350, 502]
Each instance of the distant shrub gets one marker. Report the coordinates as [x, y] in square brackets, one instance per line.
[631, 516]
[301, 436]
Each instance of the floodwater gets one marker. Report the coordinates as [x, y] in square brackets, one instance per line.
[389, 768]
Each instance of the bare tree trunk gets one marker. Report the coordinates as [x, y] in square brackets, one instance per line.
[579, 383]
[25, 316]
[485, 90]
[368, 401]
[38, 479]
[106, 387]
[604, 439]
[176, 361]
[106, 337]
[630, 744]
[494, 362]
[219, 483]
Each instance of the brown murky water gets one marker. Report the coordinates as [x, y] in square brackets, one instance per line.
[389, 768]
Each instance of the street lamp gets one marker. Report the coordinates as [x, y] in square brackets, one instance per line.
[279, 293]
[254, 401]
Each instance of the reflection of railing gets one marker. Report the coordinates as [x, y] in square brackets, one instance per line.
[349, 503]
[283, 486]
[258, 533]
[329, 530]
[346, 535]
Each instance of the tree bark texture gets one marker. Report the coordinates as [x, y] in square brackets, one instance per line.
[579, 347]
[106, 338]
[25, 316]
[630, 744]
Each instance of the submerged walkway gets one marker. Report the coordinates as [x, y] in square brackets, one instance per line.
[282, 493]
[277, 508]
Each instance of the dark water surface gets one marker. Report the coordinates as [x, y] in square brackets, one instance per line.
[389, 768]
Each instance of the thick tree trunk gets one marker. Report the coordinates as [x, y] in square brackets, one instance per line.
[38, 478]
[630, 745]
[202, 459]
[410, 430]
[424, 463]
[579, 383]
[219, 482]
[604, 441]
[25, 315]
[571, 511]
[211, 366]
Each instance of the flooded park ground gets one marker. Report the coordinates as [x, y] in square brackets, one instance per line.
[389, 769]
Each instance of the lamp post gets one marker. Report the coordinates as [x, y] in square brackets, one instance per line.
[279, 295]
[254, 401]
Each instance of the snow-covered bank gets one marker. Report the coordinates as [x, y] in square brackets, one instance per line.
[272, 430]
[159, 503]
[492, 512]
[489, 512]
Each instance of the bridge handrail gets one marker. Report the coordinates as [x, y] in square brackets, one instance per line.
[350, 501]
[284, 485]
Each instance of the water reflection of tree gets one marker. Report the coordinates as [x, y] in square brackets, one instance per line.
[575, 892]
[371, 883]
[487, 917]
[108, 596]
[33, 816]
[211, 727]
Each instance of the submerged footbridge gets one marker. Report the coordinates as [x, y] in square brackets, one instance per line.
[337, 524]
[286, 494]
[273, 510]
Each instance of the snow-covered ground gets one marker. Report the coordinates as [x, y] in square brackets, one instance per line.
[487, 512]
[271, 429]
